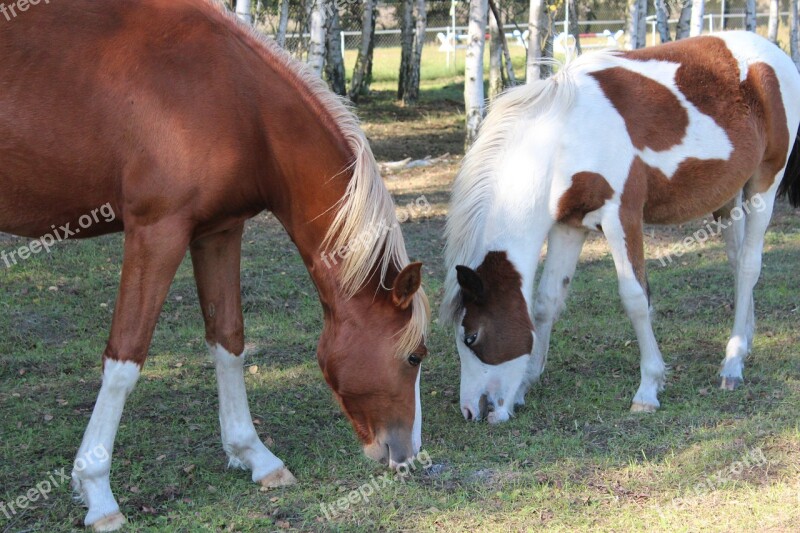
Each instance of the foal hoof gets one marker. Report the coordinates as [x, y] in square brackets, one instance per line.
[637, 407]
[112, 522]
[279, 478]
[730, 383]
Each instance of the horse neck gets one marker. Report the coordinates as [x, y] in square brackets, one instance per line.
[306, 176]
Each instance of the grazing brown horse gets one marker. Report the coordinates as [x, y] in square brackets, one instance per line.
[184, 124]
[660, 135]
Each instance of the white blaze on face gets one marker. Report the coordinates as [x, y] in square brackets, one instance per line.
[500, 383]
[416, 435]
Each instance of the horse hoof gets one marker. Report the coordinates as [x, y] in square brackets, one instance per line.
[730, 383]
[637, 407]
[112, 522]
[279, 478]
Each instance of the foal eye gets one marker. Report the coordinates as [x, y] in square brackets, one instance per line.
[414, 359]
[469, 340]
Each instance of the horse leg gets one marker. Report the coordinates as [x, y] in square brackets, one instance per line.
[216, 261]
[733, 234]
[151, 257]
[623, 230]
[564, 244]
[747, 274]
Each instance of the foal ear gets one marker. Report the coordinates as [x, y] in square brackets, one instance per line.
[406, 285]
[471, 284]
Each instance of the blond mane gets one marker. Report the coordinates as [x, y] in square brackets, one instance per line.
[366, 204]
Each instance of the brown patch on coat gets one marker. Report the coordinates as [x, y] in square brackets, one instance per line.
[588, 192]
[751, 113]
[501, 316]
[631, 213]
[653, 115]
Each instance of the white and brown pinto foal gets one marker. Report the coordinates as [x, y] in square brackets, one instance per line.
[660, 135]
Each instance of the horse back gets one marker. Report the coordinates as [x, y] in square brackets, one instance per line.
[132, 104]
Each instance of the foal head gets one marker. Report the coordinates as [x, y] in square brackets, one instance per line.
[370, 353]
[494, 335]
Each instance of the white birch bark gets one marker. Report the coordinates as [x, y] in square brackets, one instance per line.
[696, 24]
[495, 59]
[283, 23]
[774, 20]
[473, 68]
[536, 35]
[316, 45]
[243, 11]
[636, 34]
[662, 21]
[794, 33]
[750, 15]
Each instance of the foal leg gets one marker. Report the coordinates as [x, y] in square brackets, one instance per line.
[564, 245]
[216, 269]
[747, 274]
[623, 231]
[151, 257]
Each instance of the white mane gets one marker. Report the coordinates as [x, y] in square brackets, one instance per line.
[473, 187]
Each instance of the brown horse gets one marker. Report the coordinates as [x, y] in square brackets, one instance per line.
[184, 124]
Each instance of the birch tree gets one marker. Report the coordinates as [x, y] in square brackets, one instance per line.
[636, 34]
[362, 72]
[684, 20]
[283, 23]
[473, 68]
[774, 20]
[794, 33]
[406, 44]
[750, 15]
[696, 24]
[495, 58]
[243, 11]
[538, 30]
[317, 41]
[662, 21]
[574, 30]
[510, 78]
[411, 92]
[334, 62]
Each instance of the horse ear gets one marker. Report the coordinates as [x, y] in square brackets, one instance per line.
[471, 284]
[406, 285]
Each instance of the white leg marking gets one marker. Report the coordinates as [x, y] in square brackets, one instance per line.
[239, 437]
[748, 271]
[90, 474]
[634, 300]
[416, 435]
[563, 250]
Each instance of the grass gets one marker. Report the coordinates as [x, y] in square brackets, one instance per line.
[573, 458]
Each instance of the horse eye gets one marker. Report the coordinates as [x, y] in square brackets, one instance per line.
[469, 340]
[414, 359]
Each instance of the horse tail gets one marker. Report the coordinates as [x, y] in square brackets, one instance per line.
[790, 185]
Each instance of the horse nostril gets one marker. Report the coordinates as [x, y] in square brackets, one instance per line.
[483, 406]
[467, 412]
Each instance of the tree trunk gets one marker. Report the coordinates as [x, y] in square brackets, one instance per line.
[574, 30]
[696, 24]
[774, 20]
[316, 44]
[495, 58]
[662, 21]
[684, 20]
[511, 79]
[359, 85]
[406, 45]
[538, 27]
[334, 62]
[473, 68]
[243, 11]
[411, 91]
[794, 48]
[637, 24]
[283, 23]
[750, 15]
